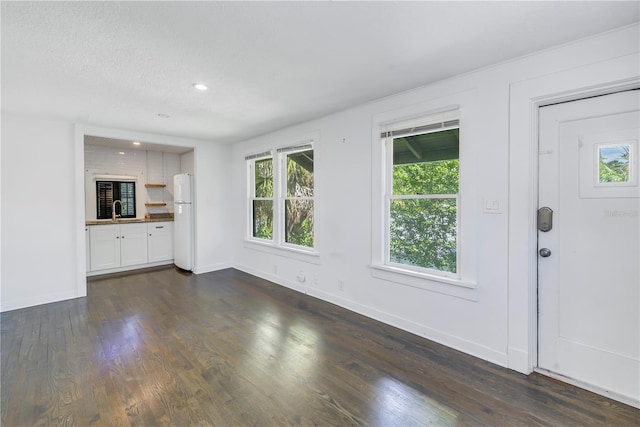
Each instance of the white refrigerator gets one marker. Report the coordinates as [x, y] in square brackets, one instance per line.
[183, 221]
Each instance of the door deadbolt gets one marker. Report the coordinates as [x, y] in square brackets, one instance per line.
[545, 219]
[545, 252]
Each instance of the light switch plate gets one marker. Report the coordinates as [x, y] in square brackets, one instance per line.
[492, 206]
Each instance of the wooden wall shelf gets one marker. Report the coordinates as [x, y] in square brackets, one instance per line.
[155, 185]
[155, 204]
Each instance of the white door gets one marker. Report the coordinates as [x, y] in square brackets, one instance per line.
[589, 262]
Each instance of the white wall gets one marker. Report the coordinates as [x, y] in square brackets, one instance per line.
[476, 321]
[213, 192]
[43, 241]
[187, 162]
[493, 321]
[39, 257]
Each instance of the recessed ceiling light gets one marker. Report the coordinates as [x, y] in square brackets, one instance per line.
[121, 153]
[136, 142]
[200, 86]
[163, 115]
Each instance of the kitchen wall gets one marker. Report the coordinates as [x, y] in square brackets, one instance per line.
[491, 320]
[152, 167]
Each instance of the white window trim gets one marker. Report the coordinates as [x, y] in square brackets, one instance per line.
[251, 189]
[464, 284]
[277, 245]
[387, 141]
[282, 195]
[306, 255]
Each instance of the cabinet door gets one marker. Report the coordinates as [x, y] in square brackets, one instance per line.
[133, 244]
[105, 246]
[160, 241]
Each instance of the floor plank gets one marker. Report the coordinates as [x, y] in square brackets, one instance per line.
[162, 348]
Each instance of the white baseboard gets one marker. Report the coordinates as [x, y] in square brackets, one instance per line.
[128, 268]
[271, 277]
[457, 343]
[211, 267]
[518, 360]
[39, 299]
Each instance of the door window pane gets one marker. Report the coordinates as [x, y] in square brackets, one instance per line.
[613, 163]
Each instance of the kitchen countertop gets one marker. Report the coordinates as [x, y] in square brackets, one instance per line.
[126, 221]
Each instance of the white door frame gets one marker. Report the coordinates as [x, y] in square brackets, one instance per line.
[622, 73]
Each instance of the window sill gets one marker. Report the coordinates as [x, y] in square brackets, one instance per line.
[443, 285]
[311, 256]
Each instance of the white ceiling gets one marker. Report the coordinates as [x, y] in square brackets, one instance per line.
[268, 64]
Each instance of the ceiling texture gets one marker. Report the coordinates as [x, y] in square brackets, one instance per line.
[268, 65]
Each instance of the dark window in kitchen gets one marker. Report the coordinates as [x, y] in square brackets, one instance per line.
[109, 191]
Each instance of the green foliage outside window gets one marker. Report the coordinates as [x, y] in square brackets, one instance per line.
[263, 201]
[614, 164]
[299, 201]
[423, 231]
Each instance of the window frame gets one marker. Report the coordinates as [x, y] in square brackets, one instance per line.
[283, 155]
[279, 158]
[116, 195]
[463, 103]
[251, 160]
[388, 141]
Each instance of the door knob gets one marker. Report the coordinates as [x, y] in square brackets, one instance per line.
[544, 252]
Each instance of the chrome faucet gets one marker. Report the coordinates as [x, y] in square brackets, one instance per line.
[113, 210]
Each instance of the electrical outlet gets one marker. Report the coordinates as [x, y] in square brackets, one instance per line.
[341, 285]
[301, 277]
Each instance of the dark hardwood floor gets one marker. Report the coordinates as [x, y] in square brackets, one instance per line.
[229, 349]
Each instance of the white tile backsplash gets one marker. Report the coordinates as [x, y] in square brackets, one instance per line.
[154, 167]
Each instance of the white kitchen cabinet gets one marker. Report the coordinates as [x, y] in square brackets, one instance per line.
[105, 246]
[133, 244]
[160, 241]
[117, 245]
[113, 248]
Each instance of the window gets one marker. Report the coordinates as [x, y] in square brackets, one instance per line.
[422, 206]
[613, 163]
[108, 192]
[298, 197]
[262, 199]
[282, 200]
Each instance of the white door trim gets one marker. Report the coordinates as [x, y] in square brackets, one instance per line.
[526, 98]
